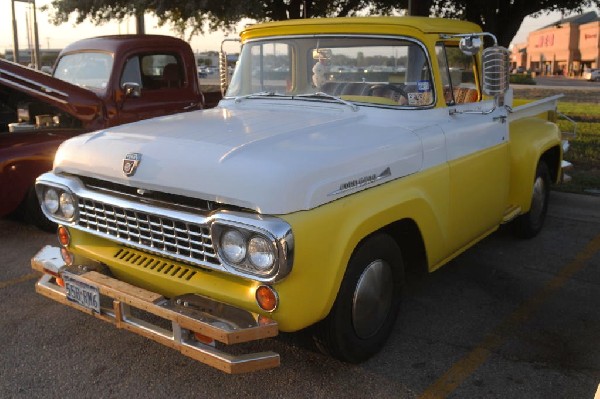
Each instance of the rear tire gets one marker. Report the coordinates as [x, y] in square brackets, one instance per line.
[530, 224]
[367, 303]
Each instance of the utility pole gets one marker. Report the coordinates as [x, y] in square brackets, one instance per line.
[15, 36]
[36, 41]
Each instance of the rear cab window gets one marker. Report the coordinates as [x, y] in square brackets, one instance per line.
[154, 71]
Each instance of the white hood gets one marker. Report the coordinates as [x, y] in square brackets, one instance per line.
[275, 157]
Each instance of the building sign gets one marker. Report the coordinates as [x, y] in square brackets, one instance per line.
[590, 36]
[545, 41]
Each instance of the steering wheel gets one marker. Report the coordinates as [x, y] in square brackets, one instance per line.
[390, 91]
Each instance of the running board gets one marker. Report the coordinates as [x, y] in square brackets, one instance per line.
[511, 213]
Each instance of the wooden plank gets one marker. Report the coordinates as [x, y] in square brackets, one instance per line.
[231, 364]
[120, 286]
[61, 298]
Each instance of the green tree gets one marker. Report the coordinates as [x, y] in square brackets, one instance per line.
[500, 17]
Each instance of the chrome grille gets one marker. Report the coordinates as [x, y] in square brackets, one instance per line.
[181, 240]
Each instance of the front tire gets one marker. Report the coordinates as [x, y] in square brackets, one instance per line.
[33, 213]
[367, 303]
[530, 224]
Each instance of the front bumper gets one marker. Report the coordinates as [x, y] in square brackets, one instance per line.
[171, 322]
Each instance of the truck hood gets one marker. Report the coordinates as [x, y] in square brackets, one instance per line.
[274, 157]
[76, 101]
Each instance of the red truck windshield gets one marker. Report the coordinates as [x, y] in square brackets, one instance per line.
[90, 70]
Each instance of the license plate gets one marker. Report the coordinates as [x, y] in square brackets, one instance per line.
[81, 293]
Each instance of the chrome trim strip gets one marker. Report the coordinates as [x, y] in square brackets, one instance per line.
[45, 88]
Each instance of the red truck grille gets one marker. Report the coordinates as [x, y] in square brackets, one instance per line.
[177, 239]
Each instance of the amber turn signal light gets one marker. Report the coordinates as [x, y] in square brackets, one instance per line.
[204, 339]
[63, 236]
[267, 298]
[67, 256]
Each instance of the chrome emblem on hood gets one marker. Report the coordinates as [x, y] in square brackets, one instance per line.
[131, 162]
[362, 182]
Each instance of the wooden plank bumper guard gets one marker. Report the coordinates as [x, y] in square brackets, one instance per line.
[187, 315]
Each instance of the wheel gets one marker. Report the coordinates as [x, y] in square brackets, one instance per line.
[34, 215]
[529, 224]
[367, 303]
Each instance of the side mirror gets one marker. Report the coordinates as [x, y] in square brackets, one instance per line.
[223, 67]
[496, 61]
[132, 89]
[470, 45]
[223, 72]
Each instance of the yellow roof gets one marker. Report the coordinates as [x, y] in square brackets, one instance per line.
[369, 25]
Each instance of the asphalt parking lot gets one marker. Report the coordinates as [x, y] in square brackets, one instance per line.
[507, 319]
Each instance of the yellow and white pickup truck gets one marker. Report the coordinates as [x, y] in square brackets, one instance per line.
[345, 153]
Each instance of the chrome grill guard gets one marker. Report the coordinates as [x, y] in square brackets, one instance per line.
[192, 241]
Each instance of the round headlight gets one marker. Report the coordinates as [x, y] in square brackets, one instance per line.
[261, 253]
[67, 205]
[51, 200]
[233, 246]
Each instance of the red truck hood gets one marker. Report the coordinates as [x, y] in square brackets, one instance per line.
[83, 104]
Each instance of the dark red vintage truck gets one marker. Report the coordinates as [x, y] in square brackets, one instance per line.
[96, 83]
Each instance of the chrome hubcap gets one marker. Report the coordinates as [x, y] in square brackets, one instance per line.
[538, 199]
[372, 298]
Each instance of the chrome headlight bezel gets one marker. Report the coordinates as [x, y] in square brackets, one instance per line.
[64, 197]
[274, 232]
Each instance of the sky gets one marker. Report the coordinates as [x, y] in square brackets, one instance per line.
[51, 36]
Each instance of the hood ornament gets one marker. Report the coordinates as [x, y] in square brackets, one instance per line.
[131, 162]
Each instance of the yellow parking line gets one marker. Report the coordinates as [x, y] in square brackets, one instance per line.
[466, 366]
[27, 277]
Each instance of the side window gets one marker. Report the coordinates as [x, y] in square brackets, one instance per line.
[458, 75]
[155, 71]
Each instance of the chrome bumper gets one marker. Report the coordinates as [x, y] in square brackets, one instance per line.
[172, 323]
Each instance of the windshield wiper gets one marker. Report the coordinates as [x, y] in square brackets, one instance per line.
[259, 94]
[321, 94]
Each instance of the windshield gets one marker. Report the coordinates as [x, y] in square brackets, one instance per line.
[383, 71]
[89, 70]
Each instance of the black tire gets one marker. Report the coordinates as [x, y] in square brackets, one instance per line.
[530, 224]
[34, 215]
[362, 319]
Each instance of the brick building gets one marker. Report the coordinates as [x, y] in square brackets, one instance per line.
[567, 46]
